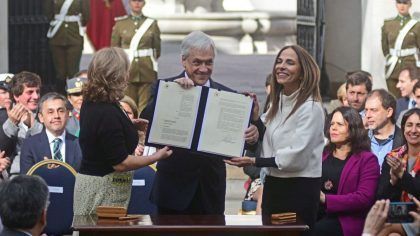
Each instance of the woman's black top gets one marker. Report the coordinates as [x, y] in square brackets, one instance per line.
[107, 137]
[331, 173]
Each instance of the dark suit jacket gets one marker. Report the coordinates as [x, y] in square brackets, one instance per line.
[36, 147]
[186, 175]
[11, 232]
[398, 139]
[6, 144]
[402, 104]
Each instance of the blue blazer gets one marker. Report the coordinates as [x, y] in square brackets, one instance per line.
[11, 232]
[36, 147]
[186, 175]
[402, 105]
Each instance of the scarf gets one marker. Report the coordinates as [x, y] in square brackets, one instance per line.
[402, 154]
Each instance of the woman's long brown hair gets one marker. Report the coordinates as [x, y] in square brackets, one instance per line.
[309, 85]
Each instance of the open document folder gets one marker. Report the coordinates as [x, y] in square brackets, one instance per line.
[200, 119]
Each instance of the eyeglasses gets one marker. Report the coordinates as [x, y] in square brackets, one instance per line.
[137, 0]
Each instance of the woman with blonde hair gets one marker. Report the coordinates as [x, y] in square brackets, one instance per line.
[293, 137]
[108, 137]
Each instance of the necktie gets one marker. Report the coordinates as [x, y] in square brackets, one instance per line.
[56, 150]
[413, 104]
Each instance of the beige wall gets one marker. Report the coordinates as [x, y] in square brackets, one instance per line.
[342, 39]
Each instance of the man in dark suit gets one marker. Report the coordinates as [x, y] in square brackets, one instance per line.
[406, 80]
[189, 183]
[53, 142]
[23, 208]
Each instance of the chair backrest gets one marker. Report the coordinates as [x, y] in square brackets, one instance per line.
[60, 179]
[140, 192]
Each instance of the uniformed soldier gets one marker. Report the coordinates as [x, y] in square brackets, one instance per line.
[66, 36]
[75, 97]
[140, 37]
[400, 44]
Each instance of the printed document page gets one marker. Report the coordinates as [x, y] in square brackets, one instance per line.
[226, 118]
[175, 115]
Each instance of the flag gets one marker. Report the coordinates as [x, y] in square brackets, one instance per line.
[102, 14]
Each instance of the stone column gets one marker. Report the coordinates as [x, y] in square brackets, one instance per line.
[4, 34]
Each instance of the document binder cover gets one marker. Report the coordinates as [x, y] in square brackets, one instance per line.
[226, 115]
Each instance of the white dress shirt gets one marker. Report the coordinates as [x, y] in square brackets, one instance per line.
[51, 139]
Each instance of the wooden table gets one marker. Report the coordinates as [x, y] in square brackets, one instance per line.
[187, 225]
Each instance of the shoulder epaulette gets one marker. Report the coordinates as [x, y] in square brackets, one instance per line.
[121, 18]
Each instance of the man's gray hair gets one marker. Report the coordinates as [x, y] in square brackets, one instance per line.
[197, 40]
[52, 96]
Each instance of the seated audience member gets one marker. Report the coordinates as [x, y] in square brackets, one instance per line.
[5, 99]
[21, 122]
[406, 80]
[75, 97]
[129, 107]
[342, 96]
[358, 85]
[400, 178]
[4, 164]
[350, 174]
[377, 216]
[416, 93]
[267, 91]
[383, 133]
[253, 185]
[23, 208]
[6, 144]
[53, 142]
[340, 101]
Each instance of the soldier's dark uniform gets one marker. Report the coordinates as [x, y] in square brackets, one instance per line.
[390, 31]
[142, 74]
[66, 44]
